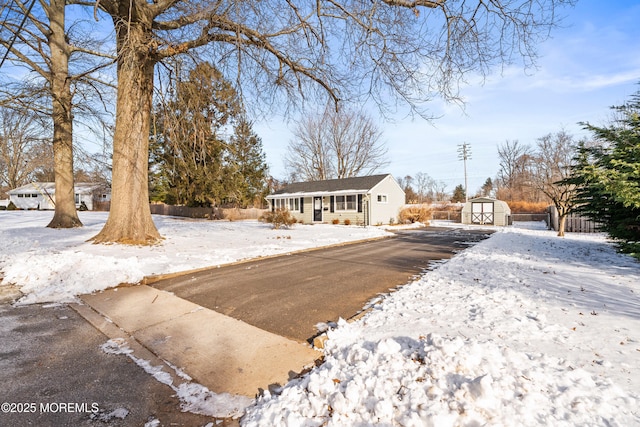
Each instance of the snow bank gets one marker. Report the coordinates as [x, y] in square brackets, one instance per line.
[442, 382]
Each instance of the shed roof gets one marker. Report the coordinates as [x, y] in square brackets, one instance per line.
[360, 184]
[496, 202]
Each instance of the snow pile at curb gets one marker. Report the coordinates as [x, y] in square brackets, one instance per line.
[441, 382]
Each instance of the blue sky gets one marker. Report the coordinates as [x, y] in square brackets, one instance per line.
[588, 65]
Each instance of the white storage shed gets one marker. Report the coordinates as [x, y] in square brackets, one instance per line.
[486, 211]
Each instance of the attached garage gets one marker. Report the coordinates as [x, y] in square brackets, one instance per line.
[486, 211]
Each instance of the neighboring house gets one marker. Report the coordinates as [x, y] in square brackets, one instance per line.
[366, 200]
[42, 195]
[485, 210]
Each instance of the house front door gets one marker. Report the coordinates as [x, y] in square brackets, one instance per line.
[317, 209]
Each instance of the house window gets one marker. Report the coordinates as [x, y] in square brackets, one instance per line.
[347, 203]
[20, 195]
[292, 204]
[77, 198]
[382, 198]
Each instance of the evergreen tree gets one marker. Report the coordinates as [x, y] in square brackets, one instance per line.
[246, 166]
[487, 188]
[608, 175]
[459, 195]
[187, 144]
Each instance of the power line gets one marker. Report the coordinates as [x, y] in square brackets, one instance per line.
[15, 35]
[464, 153]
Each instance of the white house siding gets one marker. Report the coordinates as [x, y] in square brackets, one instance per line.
[381, 212]
[42, 196]
[30, 201]
[30, 196]
[367, 209]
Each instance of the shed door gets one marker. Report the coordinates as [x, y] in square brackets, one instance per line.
[482, 212]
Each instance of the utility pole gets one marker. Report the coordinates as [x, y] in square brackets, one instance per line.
[464, 153]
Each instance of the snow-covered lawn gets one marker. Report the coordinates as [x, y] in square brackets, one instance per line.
[55, 265]
[524, 328]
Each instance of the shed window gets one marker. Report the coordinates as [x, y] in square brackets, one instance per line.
[346, 203]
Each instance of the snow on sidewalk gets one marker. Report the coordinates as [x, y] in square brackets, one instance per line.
[524, 328]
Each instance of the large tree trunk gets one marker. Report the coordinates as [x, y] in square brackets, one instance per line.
[562, 221]
[130, 219]
[65, 215]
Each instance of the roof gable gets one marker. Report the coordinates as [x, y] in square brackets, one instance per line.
[360, 183]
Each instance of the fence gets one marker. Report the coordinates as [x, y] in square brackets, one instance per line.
[184, 211]
[578, 224]
[454, 216]
[574, 223]
[233, 214]
[522, 217]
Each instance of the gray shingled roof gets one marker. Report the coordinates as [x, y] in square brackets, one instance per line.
[331, 185]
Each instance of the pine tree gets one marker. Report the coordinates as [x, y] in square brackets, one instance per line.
[246, 166]
[458, 194]
[187, 143]
[487, 188]
[608, 175]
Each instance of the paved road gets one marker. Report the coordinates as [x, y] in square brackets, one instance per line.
[289, 295]
[53, 372]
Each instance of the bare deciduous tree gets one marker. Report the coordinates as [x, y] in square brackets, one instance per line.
[551, 168]
[22, 151]
[336, 144]
[38, 39]
[514, 175]
[387, 50]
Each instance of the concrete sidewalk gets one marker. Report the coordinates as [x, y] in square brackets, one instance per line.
[221, 353]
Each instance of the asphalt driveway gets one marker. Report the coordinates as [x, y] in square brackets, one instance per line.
[288, 295]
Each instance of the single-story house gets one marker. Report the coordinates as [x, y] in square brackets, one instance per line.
[486, 210]
[42, 195]
[365, 200]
